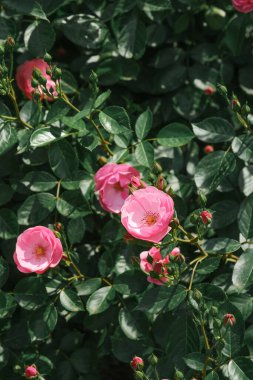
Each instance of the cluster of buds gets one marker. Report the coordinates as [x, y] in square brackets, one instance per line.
[31, 372]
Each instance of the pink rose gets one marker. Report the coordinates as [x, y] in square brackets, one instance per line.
[243, 6]
[37, 250]
[153, 264]
[31, 372]
[147, 213]
[24, 78]
[137, 363]
[112, 182]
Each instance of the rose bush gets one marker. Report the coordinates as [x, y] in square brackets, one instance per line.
[126, 190]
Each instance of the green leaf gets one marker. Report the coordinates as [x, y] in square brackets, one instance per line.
[240, 369]
[130, 34]
[6, 193]
[155, 5]
[30, 293]
[39, 181]
[224, 213]
[144, 154]
[195, 360]
[8, 137]
[68, 82]
[174, 135]
[87, 287]
[212, 169]
[213, 130]
[246, 180]
[4, 271]
[26, 7]
[133, 324]
[245, 217]
[242, 147]
[58, 109]
[8, 224]
[114, 120]
[130, 282]
[46, 135]
[90, 28]
[71, 301]
[7, 305]
[212, 376]
[242, 271]
[72, 205]
[63, 159]
[100, 300]
[75, 230]
[36, 208]
[144, 124]
[208, 265]
[162, 298]
[102, 98]
[40, 38]
[221, 245]
[43, 322]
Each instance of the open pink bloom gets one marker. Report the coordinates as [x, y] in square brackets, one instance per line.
[112, 182]
[37, 250]
[243, 6]
[147, 213]
[153, 264]
[24, 78]
[31, 372]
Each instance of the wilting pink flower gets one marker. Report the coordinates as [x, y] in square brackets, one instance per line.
[208, 149]
[24, 78]
[146, 214]
[229, 319]
[112, 182]
[31, 372]
[37, 250]
[137, 363]
[206, 217]
[152, 263]
[243, 6]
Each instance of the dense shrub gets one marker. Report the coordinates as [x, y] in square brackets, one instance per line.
[127, 94]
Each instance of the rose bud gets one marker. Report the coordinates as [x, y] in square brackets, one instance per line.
[229, 319]
[209, 90]
[31, 372]
[235, 104]
[206, 217]
[137, 363]
[10, 41]
[208, 149]
[160, 183]
[153, 360]
[136, 182]
[175, 254]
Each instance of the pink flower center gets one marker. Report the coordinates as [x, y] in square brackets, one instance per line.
[151, 218]
[39, 251]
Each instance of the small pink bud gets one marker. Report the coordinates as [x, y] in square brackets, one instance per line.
[235, 104]
[137, 363]
[31, 372]
[208, 149]
[136, 182]
[176, 254]
[229, 319]
[206, 217]
[209, 90]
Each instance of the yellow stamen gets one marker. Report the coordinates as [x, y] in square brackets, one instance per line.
[39, 251]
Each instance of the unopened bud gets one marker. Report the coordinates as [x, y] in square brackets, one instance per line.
[36, 73]
[137, 363]
[31, 372]
[209, 90]
[206, 217]
[10, 41]
[57, 73]
[197, 295]
[235, 104]
[229, 319]
[48, 71]
[57, 234]
[102, 160]
[138, 375]
[175, 254]
[58, 226]
[160, 183]
[246, 109]
[179, 375]
[222, 90]
[47, 58]
[136, 182]
[208, 149]
[153, 360]
[158, 167]
[194, 218]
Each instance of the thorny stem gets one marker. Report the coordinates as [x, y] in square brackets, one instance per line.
[103, 142]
